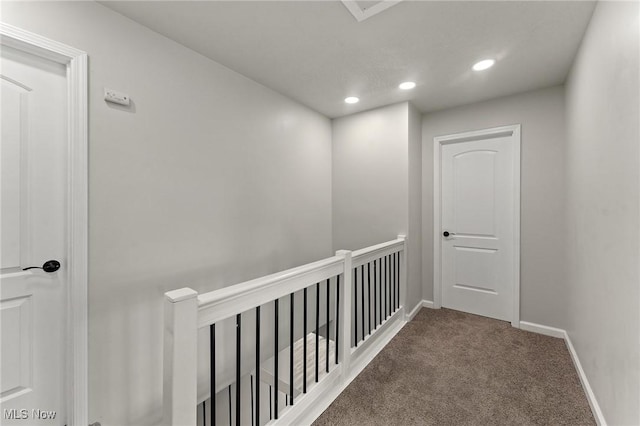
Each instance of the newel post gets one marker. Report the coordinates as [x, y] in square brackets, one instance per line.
[345, 314]
[180, 358]
[403, 276]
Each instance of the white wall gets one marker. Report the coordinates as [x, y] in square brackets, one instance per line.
[603, 209]
[541, 114]
[376, 183]
[207, 180]
[370, 177]
[414, 255]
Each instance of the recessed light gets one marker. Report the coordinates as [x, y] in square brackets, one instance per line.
[484, 64]
[407, 85]
[351, 100]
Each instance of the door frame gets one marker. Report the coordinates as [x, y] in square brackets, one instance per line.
[438, 142]
[76, 345]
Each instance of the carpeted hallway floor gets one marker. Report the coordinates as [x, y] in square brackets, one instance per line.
[451, 368]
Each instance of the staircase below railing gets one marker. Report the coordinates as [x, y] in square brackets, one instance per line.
[281, 348]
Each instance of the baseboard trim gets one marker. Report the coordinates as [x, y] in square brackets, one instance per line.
[414, 312]
[591, 397]
[421, 304]
[543, 329]
[586, 387]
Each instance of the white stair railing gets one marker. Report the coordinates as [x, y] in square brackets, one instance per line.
[312, 352]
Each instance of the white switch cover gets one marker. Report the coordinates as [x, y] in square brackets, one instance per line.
[116, 97]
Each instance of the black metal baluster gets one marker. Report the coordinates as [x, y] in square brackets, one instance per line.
[395, 294]
[230, 418]
[204, 413]
[337, 316]
[238, 349]
[382, 297]
[252, 413]
[380, 294]
[317, 328]
[397, 280]
[275, 357]
[291, 348]
[383, 275]
[375, 296]
[270, 404]
[212, 372]
[326, 326]
[258, 365]
[362, 297]
[386, 287]
[369, 293]
[389, 284]
[393, 282]
[355, 304]
[304, 345]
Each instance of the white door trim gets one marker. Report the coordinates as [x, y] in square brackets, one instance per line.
[77, 211]
[437, 159]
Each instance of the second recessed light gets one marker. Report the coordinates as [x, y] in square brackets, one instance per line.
[351, 100]
[484, 64]
[407, 85]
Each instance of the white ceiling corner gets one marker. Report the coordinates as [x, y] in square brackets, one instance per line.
[362, 10]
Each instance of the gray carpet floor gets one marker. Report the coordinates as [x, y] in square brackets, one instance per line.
[451, 368]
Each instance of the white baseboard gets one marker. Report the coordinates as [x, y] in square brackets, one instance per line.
[543, 329]
[562, 334]
[421, 304]
[427, 304]
[414, 312]
[593, 403]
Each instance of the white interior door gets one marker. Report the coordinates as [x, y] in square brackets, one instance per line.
[479, 184]
[33, 155]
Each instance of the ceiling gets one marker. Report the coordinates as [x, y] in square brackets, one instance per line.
[317, 53]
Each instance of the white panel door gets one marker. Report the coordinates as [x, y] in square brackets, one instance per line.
[33, 155]
[477, 226]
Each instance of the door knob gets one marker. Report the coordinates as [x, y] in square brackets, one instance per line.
[447, 233]
[49, 266]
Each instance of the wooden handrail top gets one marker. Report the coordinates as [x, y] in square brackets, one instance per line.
[378, 247]
[262, 283]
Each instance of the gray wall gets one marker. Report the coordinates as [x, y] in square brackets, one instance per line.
[370, 177]
[414, 256]
[376, 183]
[541, 114]
[208, 180]
[603, 209]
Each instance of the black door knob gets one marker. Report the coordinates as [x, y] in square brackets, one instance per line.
[446, 233]
[49, 266]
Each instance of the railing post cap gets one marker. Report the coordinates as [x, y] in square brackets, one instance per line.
[402, 237]
[344, 253]
[181, 294]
